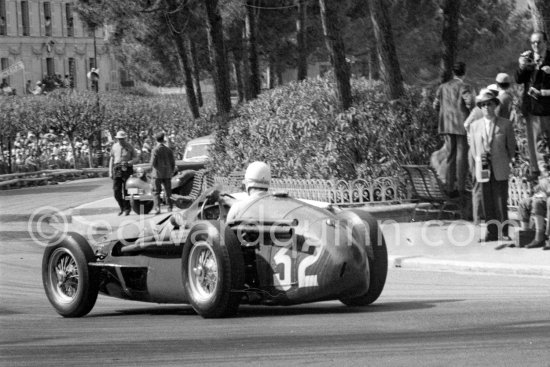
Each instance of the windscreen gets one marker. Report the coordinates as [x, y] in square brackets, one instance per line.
[196, 151]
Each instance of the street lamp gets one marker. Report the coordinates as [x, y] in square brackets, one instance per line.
[93, 76]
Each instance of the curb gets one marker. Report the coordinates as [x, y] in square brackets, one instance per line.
[425, 263]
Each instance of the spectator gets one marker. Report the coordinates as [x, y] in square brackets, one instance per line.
[506, 106]
[123, 156]
[536, 207]
[163, 166]
[28, 88]
[5, 89]
[493, 144]
[534, 73]
[455, 99]
[39, 89]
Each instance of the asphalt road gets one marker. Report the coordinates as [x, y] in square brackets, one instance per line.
[421, 319]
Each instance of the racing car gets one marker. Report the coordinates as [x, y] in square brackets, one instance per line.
[279, 251]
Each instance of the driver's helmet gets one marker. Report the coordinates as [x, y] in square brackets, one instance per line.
[258, 175]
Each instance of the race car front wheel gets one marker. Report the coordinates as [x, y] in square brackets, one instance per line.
[213, 270]
[68, 282]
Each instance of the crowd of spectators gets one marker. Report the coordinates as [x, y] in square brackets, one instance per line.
[44, 86]
[53, 151]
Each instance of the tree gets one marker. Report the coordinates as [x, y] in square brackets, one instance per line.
[540, 11]
[301, 35]
[449, 37]
[335, 45]
[218, 58]
[251, 30]
[389, 63]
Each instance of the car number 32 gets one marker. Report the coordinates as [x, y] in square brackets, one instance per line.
[282, 278]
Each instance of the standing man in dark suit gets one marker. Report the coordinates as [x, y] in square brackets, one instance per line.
[534, 73]
[163, 166]
[493, 145]
[455, 99]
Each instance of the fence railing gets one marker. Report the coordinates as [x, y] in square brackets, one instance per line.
[383, 190]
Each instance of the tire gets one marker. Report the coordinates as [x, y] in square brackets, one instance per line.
[213, 270]
[142, 207]
[70, 284]
[378, 264]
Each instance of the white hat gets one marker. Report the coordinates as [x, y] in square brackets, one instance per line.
[121, 135]
[502, 78]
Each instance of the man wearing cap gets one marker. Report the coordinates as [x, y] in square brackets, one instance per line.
[534, 73]
[493, 143]
[455, 99]
[163, 166]
[121, 161]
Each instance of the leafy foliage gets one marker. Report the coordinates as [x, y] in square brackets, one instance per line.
[299, 131]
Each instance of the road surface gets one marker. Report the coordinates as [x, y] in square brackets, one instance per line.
[422, 318]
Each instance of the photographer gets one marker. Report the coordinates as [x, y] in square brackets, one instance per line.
[123, 156]
[493, 145]
[534, 73]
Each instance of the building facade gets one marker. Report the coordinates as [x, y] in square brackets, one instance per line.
[49, 38]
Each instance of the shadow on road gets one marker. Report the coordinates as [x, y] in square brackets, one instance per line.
[268, 311]
[50, 189]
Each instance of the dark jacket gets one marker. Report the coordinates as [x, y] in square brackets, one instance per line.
[454, 99]
[539, 79]
[163, 163]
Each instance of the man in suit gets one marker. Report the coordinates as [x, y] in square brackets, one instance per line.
[493, 144]
[455, 99]
[163, 166]
[534, 73]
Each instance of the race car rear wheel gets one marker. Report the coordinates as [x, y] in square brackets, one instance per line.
[68, 281]
[213, 270]
[142, 207]
[378, 264]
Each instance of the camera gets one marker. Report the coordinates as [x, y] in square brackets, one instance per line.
[529, 56]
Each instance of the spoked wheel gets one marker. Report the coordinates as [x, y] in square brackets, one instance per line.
[67, 280]
[213, 270]
[203, 271]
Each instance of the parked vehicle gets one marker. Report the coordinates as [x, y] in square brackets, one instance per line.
[281, 251]
[140, 190]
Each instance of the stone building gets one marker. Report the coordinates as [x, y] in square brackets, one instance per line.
[49, 38]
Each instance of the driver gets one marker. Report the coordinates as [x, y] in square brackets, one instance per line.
[256, 180]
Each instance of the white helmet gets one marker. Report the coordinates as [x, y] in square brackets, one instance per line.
[258, 175]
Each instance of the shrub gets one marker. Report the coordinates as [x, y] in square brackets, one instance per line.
[297, 129]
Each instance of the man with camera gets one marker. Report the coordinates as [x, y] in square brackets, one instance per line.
[493, 145]
[123, 157]
[534, 73]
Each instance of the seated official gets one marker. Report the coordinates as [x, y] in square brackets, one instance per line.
[537, 207]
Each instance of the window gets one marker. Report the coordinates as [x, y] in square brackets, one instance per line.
[48, 19]
[3, 25]
[25, 18]
[91, 31]
[70, 20]
[92, 63]
[50, 67]
[4, 65]
[72, 71]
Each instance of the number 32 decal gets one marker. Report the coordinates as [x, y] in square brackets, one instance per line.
[283, 258]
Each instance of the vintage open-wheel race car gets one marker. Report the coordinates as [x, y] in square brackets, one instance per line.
[280, 251]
